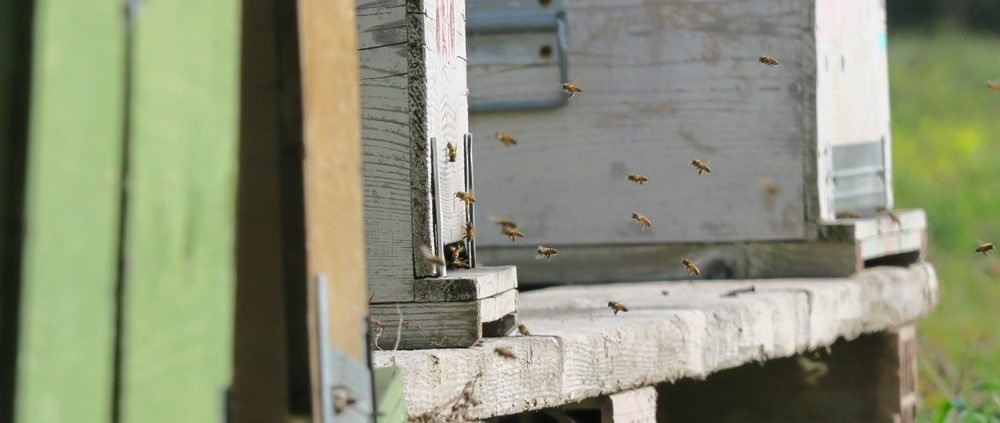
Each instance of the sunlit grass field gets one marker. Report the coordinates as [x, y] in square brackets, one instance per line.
[946, 157]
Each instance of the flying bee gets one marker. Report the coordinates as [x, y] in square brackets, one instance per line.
[523, 330]
[848, 214]
[468, 232]
[430, 257]
[984, 247]
[637, 178]
[993, 86]
[466, 197]
[504, 222]
[511, 233]
[702, 166]
[506, 139]
[691, 267]
[642, 219]
[571, 88]
[616, 307]
[505, 352]
[892, 215]
[768, 60]
[452, 152]
[546, 252]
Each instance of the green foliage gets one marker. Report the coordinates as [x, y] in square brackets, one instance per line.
[946, 153]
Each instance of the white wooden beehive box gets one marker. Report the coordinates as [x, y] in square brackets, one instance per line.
[664, 82]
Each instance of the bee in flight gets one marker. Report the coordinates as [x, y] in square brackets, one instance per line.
[506, 139]
[468, 231]
[571, 88]
[523, 330]
[512, 233]
[546, 252]
[504, 222]
[430, 257]
[702, 166]
[892, 215]
[691, 267]
[637, 178]
[984, 247]
[505, 352]
[848, 214]
[993, 86]
[768, 60]
[466, 197]
[452, 152]
[642, 219]
[616, 307]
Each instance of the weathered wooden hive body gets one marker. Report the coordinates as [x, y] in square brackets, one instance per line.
[413, 106]
[665, 82]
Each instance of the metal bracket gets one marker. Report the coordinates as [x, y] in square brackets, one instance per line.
[470, 212]
[438, 197]
[519, 22]
[345, 385]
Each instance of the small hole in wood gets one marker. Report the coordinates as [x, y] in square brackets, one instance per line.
[545, 52]
[544, 2]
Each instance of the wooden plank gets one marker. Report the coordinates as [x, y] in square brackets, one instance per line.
[439, 324]
[180, 233]
[664, 82]
[635, 406]
[69, 265]
[579, 349]
[467, 285]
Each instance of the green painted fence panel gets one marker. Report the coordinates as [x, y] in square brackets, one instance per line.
[65, 367]
[181, 211]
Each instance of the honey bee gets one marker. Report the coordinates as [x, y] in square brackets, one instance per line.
[691, 266]
[993, 86]
[512, 233]
[466, 197]
[984, 247]
[504, 222]
[571, 88]
[702, 166]
[642, 219]
[892, 215]
[506, 139]
[546, 252]
[768, 60]
[812, 370]
[460, 264]
[505, 352]
[468, 232]
[616, 307]
[430, 257]
[848, 214]
[452, 152]
[637, 178]
[456, 258]
[523, 330]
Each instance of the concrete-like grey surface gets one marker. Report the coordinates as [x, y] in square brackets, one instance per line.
[579, 349]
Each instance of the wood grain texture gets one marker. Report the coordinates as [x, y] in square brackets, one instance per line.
[580, 350]
[664, 83]
[178, 326]
[440, 324]
[466, 285]
[65, 363]
[635, 406]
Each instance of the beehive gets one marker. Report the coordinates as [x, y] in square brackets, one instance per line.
[666, 82]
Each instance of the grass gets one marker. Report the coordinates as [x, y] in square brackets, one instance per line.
[946, 153]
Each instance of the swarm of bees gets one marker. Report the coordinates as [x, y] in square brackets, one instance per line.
[616, 307]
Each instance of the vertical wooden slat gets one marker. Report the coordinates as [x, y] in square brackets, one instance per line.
[332, 169]
[65, 357]
[180, 215]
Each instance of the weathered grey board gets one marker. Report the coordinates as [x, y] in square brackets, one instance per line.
[580, 350]
[440, 324]
[852, 85]
[412, 89]
[466, 285]
[664, 83]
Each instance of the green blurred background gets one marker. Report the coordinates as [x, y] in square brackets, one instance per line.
[946, 154]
